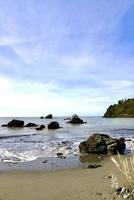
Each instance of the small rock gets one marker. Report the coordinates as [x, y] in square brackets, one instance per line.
[93, 165]
[30, 125]
[40, 127]
[99, 193]
[60, 155]
[41, 117]
[45, 161]
[53, 125]
[107, 177]
[118, 190]
[126, 195]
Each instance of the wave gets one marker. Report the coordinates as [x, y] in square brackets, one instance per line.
[47, 150]
[15, 136]
[7, 156]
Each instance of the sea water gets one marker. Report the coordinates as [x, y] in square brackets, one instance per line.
[26, 144]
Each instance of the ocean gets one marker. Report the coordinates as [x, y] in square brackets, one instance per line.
[27, 144]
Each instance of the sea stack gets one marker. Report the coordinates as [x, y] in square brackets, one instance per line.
[49, 116]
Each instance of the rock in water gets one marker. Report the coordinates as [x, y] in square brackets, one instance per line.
[53, 125]
[30, 125]
[15, 123]
[40, 128]
[76, 120]
[102, 144]
[49, 116]
[41, 117]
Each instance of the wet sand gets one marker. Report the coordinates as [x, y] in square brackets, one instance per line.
[64, 184]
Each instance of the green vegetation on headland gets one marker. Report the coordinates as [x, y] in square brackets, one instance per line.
[124, 108]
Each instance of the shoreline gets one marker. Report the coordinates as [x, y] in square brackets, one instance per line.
[68, 183]
[47, 164]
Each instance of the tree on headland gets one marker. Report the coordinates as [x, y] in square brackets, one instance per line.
[124, 108]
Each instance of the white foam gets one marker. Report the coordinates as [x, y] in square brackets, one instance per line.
[6, 156]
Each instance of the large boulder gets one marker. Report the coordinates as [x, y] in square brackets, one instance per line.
[76, 120]
[49, 116]
[30, 125]
[53, 125]
[102, 144]
[15, 123]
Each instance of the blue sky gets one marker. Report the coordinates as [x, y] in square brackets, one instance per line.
[65, 56]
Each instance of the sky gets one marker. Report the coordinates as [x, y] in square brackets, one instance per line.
[65, 56]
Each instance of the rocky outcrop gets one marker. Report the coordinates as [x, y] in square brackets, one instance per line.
[76, 120]
[14, 123]
[124, 108]
[49, 116]
[41, 127]
[102, 144]
[53, 125]
[30, 125]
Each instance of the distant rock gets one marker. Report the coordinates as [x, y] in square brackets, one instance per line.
[102, 144]
[76, 120]
[53, 125]
[4, 125]
[68, 118]
[41, 117]
[30, 125]
[14, 123]
[41, 127]
[49, 116]
[124, 108]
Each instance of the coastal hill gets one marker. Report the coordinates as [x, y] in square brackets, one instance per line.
[124, 108]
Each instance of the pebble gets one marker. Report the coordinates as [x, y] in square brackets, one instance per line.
[99, 193]
[126, 195]
[93, 165]
[45, 161]
[107, 177]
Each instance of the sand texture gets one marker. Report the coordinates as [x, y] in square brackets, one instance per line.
[69, 184]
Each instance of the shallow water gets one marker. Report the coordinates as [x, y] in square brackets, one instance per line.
[26, 144]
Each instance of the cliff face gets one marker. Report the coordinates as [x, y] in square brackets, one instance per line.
[124, 108]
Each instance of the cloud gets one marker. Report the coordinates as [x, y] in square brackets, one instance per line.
[65, 56]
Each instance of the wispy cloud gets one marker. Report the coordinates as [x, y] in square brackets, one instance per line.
[65, 56]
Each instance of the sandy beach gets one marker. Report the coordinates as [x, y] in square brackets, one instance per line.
[68, 184]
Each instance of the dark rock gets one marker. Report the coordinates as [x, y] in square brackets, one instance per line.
[93, 165]
[68, 118]
[60, 155]
[30, 125]
[4, 125]
[45, 161]
[40, 127]
[49, 116]
[41, 117]
[65, 142]
[118, 190]
[102, 144]
[53, 125]
[15, 123]
[76, 120]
